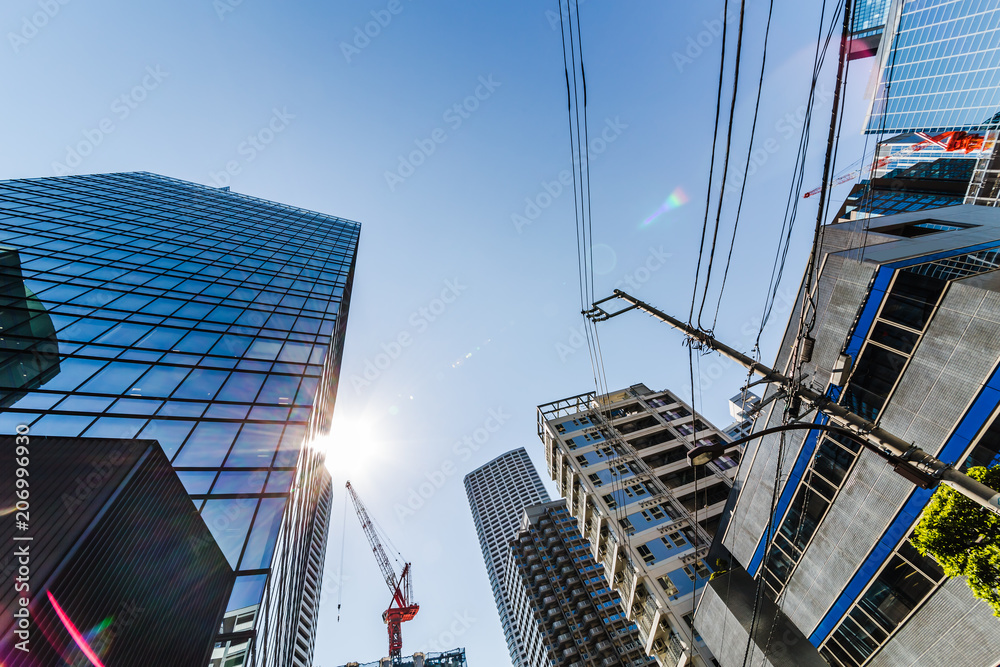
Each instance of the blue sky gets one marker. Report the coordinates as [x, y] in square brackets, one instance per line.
[461, 312]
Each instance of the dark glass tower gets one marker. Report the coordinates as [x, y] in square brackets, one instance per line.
[209, 321]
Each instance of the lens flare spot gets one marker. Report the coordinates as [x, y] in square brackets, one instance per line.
[74, 633]
[676, 199]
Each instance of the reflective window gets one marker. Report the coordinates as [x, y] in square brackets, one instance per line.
[229, 520]
[169, 433]
[162, 338]
[201, 384]
[260, 546]
[240, 482]
[115, 378]
[196, 482]
[199, 342]
[207, 446]
[160, 380]
[255, 446]
[64, 425]
[280, 481]
[115, 427]
[241, 387]
[264, 348]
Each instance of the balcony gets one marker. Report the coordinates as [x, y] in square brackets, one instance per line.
[669, 650]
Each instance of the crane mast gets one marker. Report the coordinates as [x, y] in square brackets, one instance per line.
[400, 609]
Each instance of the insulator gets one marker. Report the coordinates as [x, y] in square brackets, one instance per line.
[806, 353]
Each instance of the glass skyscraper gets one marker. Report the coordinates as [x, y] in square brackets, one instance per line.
[939, 68]
[209, 321]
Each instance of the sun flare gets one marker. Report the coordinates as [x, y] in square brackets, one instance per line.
[353, 446]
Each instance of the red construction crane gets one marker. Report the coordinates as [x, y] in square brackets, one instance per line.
[949, 141]
[400, 609]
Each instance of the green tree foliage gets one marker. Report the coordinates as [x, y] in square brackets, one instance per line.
[964, 538]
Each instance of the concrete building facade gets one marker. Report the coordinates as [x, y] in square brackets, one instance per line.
[620, 462]
[562, 598]
[907, 313]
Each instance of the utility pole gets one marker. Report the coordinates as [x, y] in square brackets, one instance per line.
[872, 436]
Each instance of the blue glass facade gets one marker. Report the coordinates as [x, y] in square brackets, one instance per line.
[209, 321]
[869, 17]
[939, 68]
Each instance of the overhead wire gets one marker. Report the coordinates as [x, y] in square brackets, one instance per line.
[791, 204]
[822, 46]
[343, 541]
[711, 163]
[746, 168]
[580, 153]
[726, 153]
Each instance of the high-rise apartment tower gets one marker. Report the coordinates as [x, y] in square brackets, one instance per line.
[498, 493]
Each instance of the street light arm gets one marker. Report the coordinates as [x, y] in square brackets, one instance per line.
[876, 438]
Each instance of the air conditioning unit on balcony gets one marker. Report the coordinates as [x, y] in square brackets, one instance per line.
[659, 645]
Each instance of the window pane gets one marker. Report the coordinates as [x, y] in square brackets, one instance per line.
[263, 348]
[115, 427]
[72, 372]
[240, 482]
[201, 384]
[255, 446]
[246, 591]
[197, 482]
[229, 521]
[232, 346]
[116, 378]
[162, 338]
[872, 380]
[66, 425]
[242, 387]
[124, 334]
[207, 446]
[280, 481]
[279, 389]
[169, 433]
[896, 591]
[160, 381]
[894, 337]
[912, 299]
[260, 546]
[199, 342]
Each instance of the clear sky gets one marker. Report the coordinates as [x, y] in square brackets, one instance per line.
[461, 313]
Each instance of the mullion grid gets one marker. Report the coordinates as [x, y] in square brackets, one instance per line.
[336, 233]
[857, 608]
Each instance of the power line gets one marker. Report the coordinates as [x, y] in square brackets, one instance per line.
[711, 164]
[746, 168]
[725, 161]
